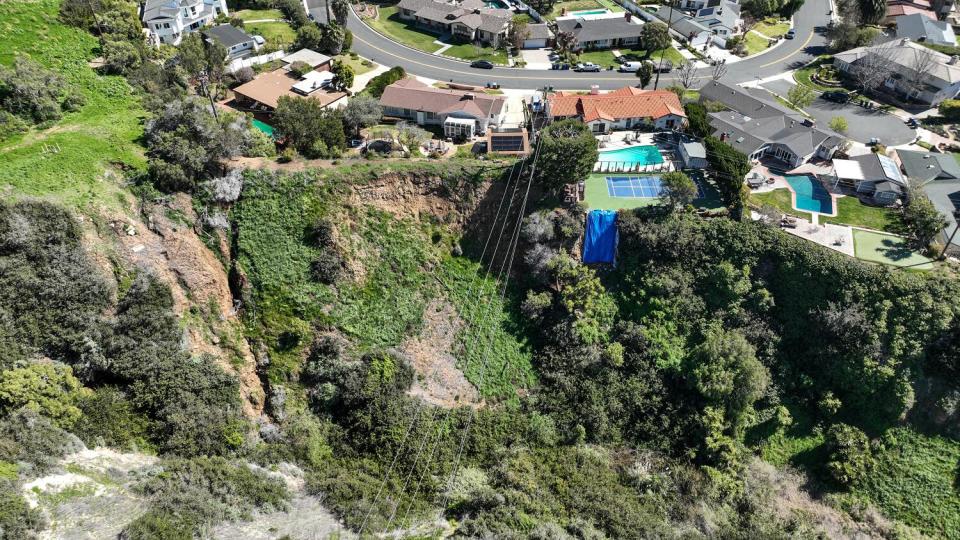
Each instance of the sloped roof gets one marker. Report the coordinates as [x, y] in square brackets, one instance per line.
[870, 167]
[903, 52]
[900, 10]
[680, 22]
[267, 88]
[598, 29]
[415, 95]
[920, 28]
[539, 31]
[694, 149]
[161, 9]
[726, 14]
[227, 35]
[627, 102]
[472, 13]
[927, 166]
[307, 56]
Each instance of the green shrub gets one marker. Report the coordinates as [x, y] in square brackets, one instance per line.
[46, 387]
[110, 419]
[377, 84]
[850, 457]
[950, 109]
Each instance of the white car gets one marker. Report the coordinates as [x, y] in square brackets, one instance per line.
[589, 66]
[259, 40]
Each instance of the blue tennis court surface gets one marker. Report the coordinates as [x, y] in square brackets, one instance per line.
[638, 187]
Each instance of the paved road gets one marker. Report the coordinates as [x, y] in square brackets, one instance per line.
[810, 42]
[862, 124]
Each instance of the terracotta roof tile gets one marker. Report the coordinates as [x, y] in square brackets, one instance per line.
[627, 102]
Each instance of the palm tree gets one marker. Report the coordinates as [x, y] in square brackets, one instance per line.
[341, 9]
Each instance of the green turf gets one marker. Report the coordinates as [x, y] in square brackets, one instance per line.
[389, 24]
[597, 197]
[356, 64]
[469, 52]
[780, 199]
[276, 34]
[888, 249]
[605, 57]
[755, 43]
[257, 14]
[66, 162]
[851, 212]
[772, 28]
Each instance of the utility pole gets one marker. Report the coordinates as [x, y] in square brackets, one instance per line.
[656, 83]
[956, 217]
[99, 27]
[204, 80]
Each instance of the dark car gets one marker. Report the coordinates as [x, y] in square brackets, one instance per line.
[912, 122]
[836, 97]
[663, 67]
[791, 33]
[481, 64]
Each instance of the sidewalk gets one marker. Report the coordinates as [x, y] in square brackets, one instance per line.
[360, 81]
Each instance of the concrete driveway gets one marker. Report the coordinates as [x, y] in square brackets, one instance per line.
[862, 124]
[536, 58]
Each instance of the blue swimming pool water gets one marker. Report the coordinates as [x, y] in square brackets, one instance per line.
[495, 4]
[632, 155]
[811, 195]
[590, 12]
[266, 128]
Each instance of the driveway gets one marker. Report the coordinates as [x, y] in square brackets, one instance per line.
[536, 58]
[862, 124]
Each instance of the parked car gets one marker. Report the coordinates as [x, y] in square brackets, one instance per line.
[259, 40]
[836, 96]
[874, 141]
[791, 33]
[587, 67]
[663, 67]
[912, 122]
[493, 85]
[558, 65]
[629, 67]
[481, 64]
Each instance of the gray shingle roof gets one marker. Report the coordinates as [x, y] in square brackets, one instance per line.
[472, 13]
[927, 166]
[679, 22]
[227, 34]
[726, 14]
[919, 28]
[539, 31]
[157, 9]
[599, 29]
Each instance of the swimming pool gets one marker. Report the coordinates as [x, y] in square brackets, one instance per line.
[498, 4]
[266, 128]
[629, 157]
[591, 12]
[811, 195]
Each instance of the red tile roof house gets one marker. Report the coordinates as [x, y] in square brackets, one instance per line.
[899, 8]
[623, 109]
[458, 111]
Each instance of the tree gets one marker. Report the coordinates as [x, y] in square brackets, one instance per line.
[921, 63]
[949, 109]
[698, 122]
[121, 57]
[31, 92]
[342, 75]
[294, 12]
[731, 167]
[341, 11]
[838, 124]
[654, 36]
[333, 36]
[678, 189]
[872, 69]
[568, 152]
[586, 300]
[687, 74]
[871, 11]
[922, 219]
[313, 130]
[645, 73]
[720, 68]
[412, 136]
[519, 32]
[850, 457]
[362, 111]
[800, 96]
[48, 388]
[564, 43]
[725, 370]
[790, 8]
[309, 36]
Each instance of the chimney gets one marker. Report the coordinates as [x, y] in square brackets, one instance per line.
[627, 15]
[723, 136]
[953, 60]
[594, 89]
[904, 41]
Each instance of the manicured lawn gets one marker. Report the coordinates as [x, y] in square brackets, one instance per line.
[756, 43]
[611, 5]
[389, 24]
[279, 35]
[772, 28]
[851, 212]
[356, 64]
[888, 249]
[670, 54]
[780, 199]
[802, 75]
[257, 14]
[67, 161]
[605, 58]
[469, 51]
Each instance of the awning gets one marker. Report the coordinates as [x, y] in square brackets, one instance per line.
[450, 121]
[848, 169]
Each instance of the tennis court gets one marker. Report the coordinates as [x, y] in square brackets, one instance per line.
[623, 191]
[643, 187]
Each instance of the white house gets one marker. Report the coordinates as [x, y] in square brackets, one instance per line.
[693, 154]
[461, 113]
[168, 20]
[238, 43]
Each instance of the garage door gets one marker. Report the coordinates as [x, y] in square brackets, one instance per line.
[534, 43]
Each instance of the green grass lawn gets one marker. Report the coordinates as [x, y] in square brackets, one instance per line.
[469, 52]
[256, 14]
[605, 58]
[389, 24]
[356, 64]
[915, 481]
[802, 75]
[851, 212]
[780, 199]
[755, 43]
[772, 28]
[277, 34]
[66, 162]
[888, 249]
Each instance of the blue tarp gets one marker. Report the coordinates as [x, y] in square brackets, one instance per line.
[600, 244]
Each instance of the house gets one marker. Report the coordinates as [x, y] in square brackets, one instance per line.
[923, 29]
[508, 141]
[316, 61]
[237, 42]
[262, 93]
[873, 175]
[538, 36]
[602, 32]
[896, 10]
[626, 108]
[693, 154]
[461, 113]
[924, 167]
[469, 20]
[723, 20]
[758, 126]
[916, 72]
[697, 5]
[167, 20]
[683, 26]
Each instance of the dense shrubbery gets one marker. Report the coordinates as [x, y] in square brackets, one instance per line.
[29, 93]
[377, 84]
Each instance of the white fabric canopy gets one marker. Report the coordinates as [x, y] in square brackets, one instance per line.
[848, 169]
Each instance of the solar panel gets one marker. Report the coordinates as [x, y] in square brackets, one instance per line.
[507, 144]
